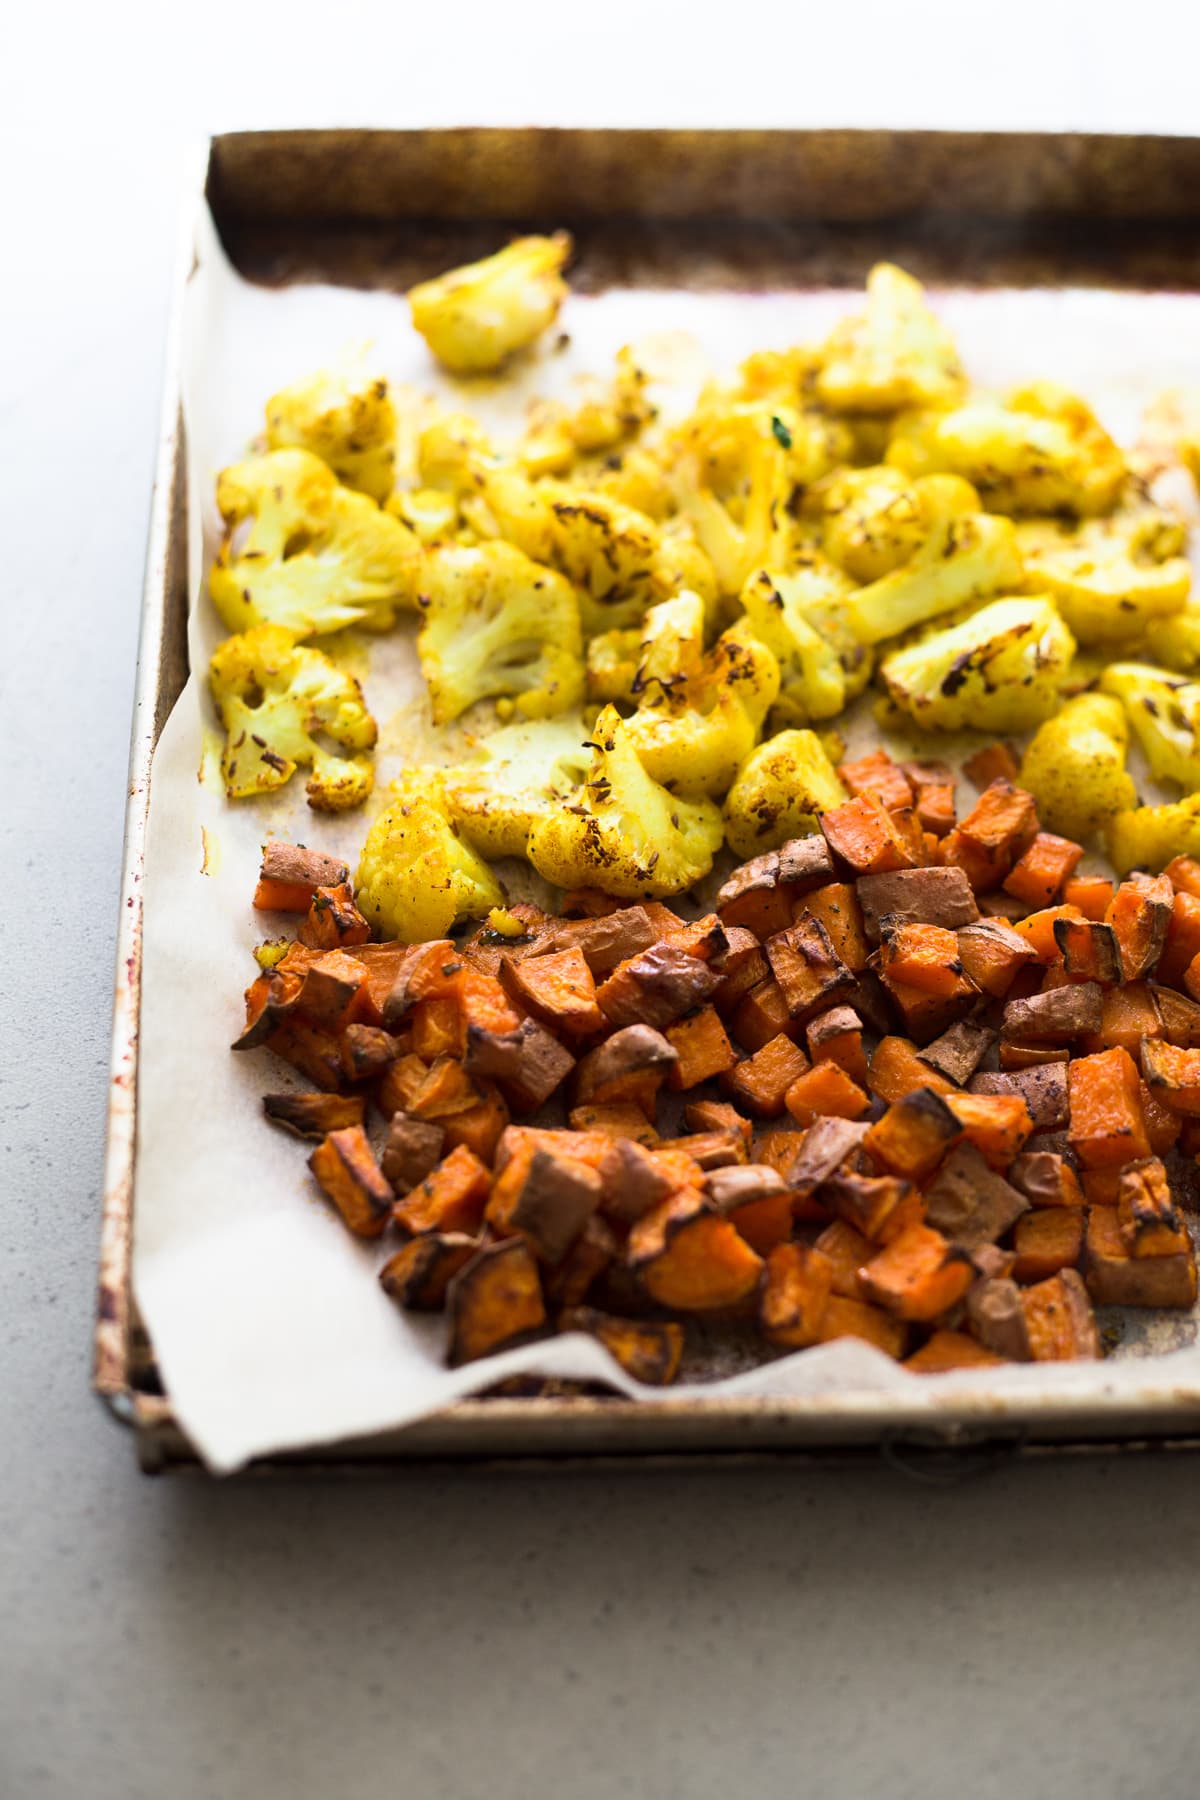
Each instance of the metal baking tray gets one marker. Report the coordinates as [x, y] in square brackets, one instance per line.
[742, 209]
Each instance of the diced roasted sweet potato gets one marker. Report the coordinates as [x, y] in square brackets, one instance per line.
[486, 948]
[366, 1052]
[1149, 1220]
[452, 1197]
[291, 875]
[558, 989]
[866, 838]
[810, 974]
[412, 1151]
[629, 1065]
[933, 787]
[1046, 1179]
[921, 956]
[657, 986]
[330, 989]
[592, 1256]
[835, 907]
[752, 1196]
[1183, 939]
[1040, 874]
[421, 1271]
[633, 1181]
[759, 1084]
[270, 1000]
[717, 1115]
[807, 1159]
[607, 941]
[402, 1082]
[1043, 1089]
[993, 835]
[314, 1052]
[896, 1069]
[825, 1091]
[480, 1127]
[447, 1088]
[947, 1350]
[546, 1196]
[1089, 950]
[345, 1167]
[1038, 929]
[332, 920]
[1089, 894]
[996, 1317]
[529, 1063]
[997, 1124]
[877, 776]
[847, 1249]
[796, 1290]
[1108, 1127]
[1127, 1015]
[925, 1015]
[702, 1048]
[743, 970]
[836, 1036]
[877, 1205]
[1116, 1278]
[1139, 916]
[1172, 1075]
[719, 1149]
[1057, 1017]
[913, 1135]
[969, 1202]
[992, 955]
[648, 1350]
[314, 1116]
[843, 1318]
[1059, 1320]
[690, 1259]
[916, 896]
[1048, 1241]
[993, 762]
[1015, 1057]
[615, 1118]
[959, 1051]
[756, 898]
[494, 1302]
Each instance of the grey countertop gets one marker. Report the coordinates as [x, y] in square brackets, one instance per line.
[826, 1633]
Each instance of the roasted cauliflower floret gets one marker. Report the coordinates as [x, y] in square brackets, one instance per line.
[304, 552]
[963, 554]
[496, 623]
[1110, 577]
[1041, 451]
[780, 791]
[345, 416]
[608, 412]
[671, 649]
[801, 617]
[611, 664]
[999, 670]
[1075, 767]
[450, 450]
[1174, 643]
[638, 479]
[474, 318]
[692, 736]
[1164, 711]
[896, 354]
[1148, 837]
[874, 522]
[277, 700]
[430, 514]
[416, 877]
[513, 781]
[623, 833]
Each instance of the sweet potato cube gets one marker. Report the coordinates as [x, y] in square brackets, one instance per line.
[918, 1276]
[437, 1028]
[1048, 1241]
[1172, 1075]
[873, 1204]
[330, 988]
[720, 1149]
[1089, 951]
[1127, 1015]
[845, 1318]
[401, 1082]
[445, 1089]
[754, 1200]
[836, 1036]
[995, 1311]
[877, 776]
[314, 1052]
[1149, 1221]
[494, 1302]
[825, 1091]
[992, 762]
[1164, 1126]
[896, 1069]
[413, 1150]
[835, 907]
[702, 1047]
[992, 954]
[1115, 1278]
[345, 1167]
[1039, 875]
[546, 1196]
[997, 1124]
[629, 1065]
[913, 1135]
[291, 875]
[1108, 1127]
[806, 1159]
[922, 956]
[660, 984]
[591, 1256]
[690, 1259]
[614, 1118]
[847, 1250]
[925, 1015]
[314, 1116]
[959, 1051]
[947, 1350]
[1037, 930]
[809, 973]
[762, 1016]
[332, 920]
[366, 1051]
[647, 1350]
[1059, 1321]
[795, 1292]
[760, 1084]
[421, 1271]
[452, 1197]
[1139, 915]
[741, 972]
[756, 898]
[1089, 894]
[558, 989]
[717, 1115]
[1183, 872]
[867, 838]
[970, 1203]
[478, 1128]
[1046, 1179]
[1043, 1089]
[1183, 939]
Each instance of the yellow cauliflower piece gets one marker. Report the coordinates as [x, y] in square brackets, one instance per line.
[621, 831]
[693, 736]
[474, 318]
[1075, 767]
[780, 791]
[1110, 577]
[345, 416]
[671, 650]
[611, 664]
[450, 449]
[430, 513]
[1164, 711]
[896, 354]
[304, 552]
[1175, 642]
[963, 554]
[639, 480]
[1041, 451]
[801, 617]
[999, 670]
[277, 700]
[416, 877]
[496, 623]
[1148, 837]
[874, 522]
[513, 781]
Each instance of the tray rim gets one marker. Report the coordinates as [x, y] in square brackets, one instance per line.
[571, 1430]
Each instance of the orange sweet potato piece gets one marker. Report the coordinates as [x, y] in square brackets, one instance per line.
[1090, 894]
[1146, 1213]
[1140, 915]
[1089, 952]
[992, 955]
[421, 1271]
[997, 830]
[879, 1206]
[1059, 1321]
[402, 1080]
[1116, 1278]
[315, 1053]
[1128, 1014]
[1108, 1127]
[867, 838]
[546, 1195]
[922, 956]
[795, 1292]
[558, 989]
[1183, 939]
[647, 1350]
[333, 921]
[445, 1089]
[778, 1150]
[314, 1116]
[1046, 1179]
[836, 907]
[1037, 930]
[452, 1197]
[1038, 876]
[717, 1115]
[933, 786]
[344, 1165]
[744, 969]
[947, 1350]
[330, 990]
[495, 1301]
[593, 1253]
[1163, 1124]
[1173, 1077]
[913, 1135]
[919, 1275]
[689, 1258]
[478, 1128]
[1183, 872]
[896, 1070]
[702, 1046]
[1047, 1241]
[1028, 1056]
[291, 875]
[366, 1052]
[878, 777]
[836, 1036]
[762, 1016]
[437, 1027]
[993, 762]
[614, 1118]
[760, 1084]
[271, 999]
[997, 1124]
[847, 1250]
[825, 1091]
[845, 1318]
[759, 1208]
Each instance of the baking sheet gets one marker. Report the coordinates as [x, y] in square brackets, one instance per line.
[268, 1327]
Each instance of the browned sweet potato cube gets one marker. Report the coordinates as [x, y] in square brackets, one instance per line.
[752, 1196]
[452, 1197]
[329, 989]
[545, 1195]
[996, 1317]
[970, 1202]
[1115, 1278]
[314, 1116]
[366, 1051]
[344, 1165]
[913, 1135]
[421, 1271]
[919, 1275]
[412, 1151]
[591, 1255]
[1046, 1179]
[871, 1203]
[558, 989]
[1059, 1321]
[716, 1115]
[1149, 1220]
[333, 920]
[702, 1048]
[629, 1065]
[494, 1301]
[796, 1290]
[946, 1350]
[916, 896]
[648, 1350]
[760, 1083]
[689, 1259]
[1048, 1241]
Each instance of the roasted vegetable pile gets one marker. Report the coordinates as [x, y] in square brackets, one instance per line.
[916, 1080]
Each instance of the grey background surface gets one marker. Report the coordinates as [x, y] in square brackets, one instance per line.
[824, 1634]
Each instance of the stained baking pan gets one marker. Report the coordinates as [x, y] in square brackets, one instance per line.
[742, 209]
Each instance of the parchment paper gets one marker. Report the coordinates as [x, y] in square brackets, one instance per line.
[269, 1327]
